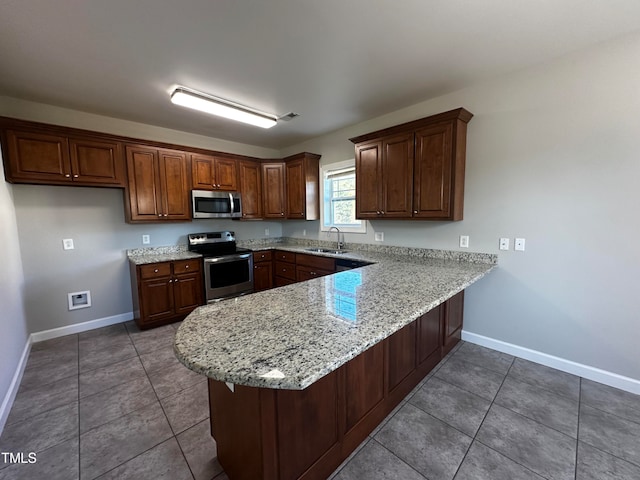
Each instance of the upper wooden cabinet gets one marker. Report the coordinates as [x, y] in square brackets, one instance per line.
[158, 188]
[250, 189]
[214, 173]
[273, 190]
[414, 170]
[42, 154]
[302, 186]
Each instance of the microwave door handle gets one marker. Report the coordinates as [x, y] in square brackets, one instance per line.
[232, 203]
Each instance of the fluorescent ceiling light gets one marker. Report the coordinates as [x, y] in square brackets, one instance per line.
[223, 108]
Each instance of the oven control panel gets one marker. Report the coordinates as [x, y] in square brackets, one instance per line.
[211, 237]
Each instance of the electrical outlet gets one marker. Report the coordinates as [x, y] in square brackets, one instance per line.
[504, 244]
[379, 236]
[146, 239]
[304, 232]
[464, 241]
[266, 232]
[519, 244]
[67, 244]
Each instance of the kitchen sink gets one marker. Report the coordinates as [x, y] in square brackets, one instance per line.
[326, 250]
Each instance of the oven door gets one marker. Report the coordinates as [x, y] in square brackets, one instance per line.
[228, 276]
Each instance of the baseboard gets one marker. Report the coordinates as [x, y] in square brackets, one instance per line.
[7, 402]
[597, 375]
[80, 327]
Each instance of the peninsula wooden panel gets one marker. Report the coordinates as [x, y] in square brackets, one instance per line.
[365, 388]
[430, 337]
[307, 425]
[453, 317]
[402, 355]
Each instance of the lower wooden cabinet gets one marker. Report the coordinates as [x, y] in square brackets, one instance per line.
[306, 434]
[452, 322]
[166, 292]
[262, 270]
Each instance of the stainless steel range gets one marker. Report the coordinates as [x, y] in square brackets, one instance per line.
[228, 270]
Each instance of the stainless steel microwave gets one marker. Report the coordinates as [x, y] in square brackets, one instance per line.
[215, 204]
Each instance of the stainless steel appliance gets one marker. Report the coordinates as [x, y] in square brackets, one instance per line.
[215, 204]
[228, 270]
[343, 264]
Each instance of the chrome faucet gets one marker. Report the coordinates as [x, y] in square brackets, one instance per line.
[339, 244]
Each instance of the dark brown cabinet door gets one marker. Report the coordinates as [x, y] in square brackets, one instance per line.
[295, 193]
[96, 162]
[397, 175]
[430, 337]
[156, 299]
[226, 171]
[187, 290]
[214, 173]
[250, 189]
[273, 190]
[174, 185]
[433, 172]
[38, 157]
[262, 276]
[144, 202]
[158, 185]
[453, 318]
[402, 355]
[368, 185]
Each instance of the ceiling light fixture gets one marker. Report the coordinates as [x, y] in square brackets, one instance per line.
[217, 106]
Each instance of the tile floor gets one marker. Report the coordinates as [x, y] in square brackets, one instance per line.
[114, 403]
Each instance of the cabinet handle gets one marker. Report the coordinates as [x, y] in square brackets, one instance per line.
[218, 185]
[186, 266]
[282, 214]
[159, 214]
[313, 273]
[382, 212]
[155, 271]
[76, 176]
[170, 281]
[302, 214]
[377, 212]
[67, 175]
[284, 269]
[415, 211]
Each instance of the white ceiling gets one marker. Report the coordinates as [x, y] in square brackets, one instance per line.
[334, 62]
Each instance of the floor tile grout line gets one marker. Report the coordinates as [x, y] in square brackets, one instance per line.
[403, 461]
[474, 439]
[611, 413]
[164, 412]
[611, 454]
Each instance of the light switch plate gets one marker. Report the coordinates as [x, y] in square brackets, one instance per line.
[464, 241]
[519, 244]
[67, 244]
[146, 239]
[379, 236]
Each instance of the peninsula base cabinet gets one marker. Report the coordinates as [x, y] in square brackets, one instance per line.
[306, 434]
[166, 292]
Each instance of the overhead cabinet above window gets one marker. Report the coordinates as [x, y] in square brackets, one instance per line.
[414, 170]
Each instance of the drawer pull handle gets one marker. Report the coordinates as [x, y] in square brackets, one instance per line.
[155, 271]
[186, 266]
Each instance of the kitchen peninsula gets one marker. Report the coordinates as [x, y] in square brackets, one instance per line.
[300, 375]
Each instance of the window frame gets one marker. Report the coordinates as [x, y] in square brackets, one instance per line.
[324, 170]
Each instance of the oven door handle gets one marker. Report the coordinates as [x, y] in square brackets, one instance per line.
[228, 258]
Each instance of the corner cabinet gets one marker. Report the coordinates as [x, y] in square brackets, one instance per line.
[158, 188]
[42, 154]
[414, 170]
[166, 292]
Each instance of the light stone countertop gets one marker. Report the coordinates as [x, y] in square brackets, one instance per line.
[291, 336]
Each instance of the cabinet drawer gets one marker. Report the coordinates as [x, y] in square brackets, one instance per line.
[286, 270]
[307, 273]
[155, 270]
[285, 256]
[323, 263]
[186, 266]
[264, 256]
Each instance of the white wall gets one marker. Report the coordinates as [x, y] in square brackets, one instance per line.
[553, 155]
[14, 328]
[94, 219]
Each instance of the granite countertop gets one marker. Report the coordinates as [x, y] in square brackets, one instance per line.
[291, 336]
[142, 256]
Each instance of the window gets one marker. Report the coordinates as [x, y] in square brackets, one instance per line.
[339, 198]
